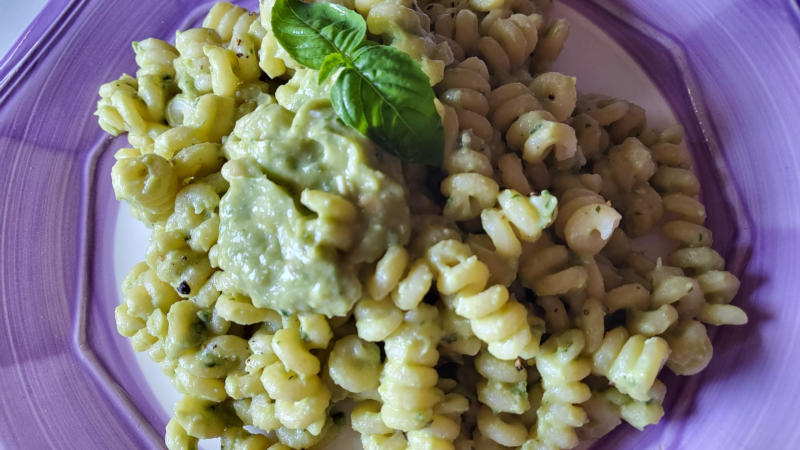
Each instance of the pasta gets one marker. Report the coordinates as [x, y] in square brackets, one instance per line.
[500, 300]
[561, 368]
[366, 419]
[496, 318]
[408, 379]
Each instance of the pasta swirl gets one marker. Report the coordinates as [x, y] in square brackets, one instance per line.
[408, 380]
[120, 109]
[630, 362]
[156, 75]
[504, 387]
[507, 41]
[528, 128]
[518, 218]
[407, 29]
[458, 26]
[695, 256]
[147, 182]
[551, 273]
[444, 428]
[637, 412]
[300, 397]
[375, 435]
[550, 44]
[562, 370]
[495, 316]
[465, 87]
[585, 221]
[229, 21]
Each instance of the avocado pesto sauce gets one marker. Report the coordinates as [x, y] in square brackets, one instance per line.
[280, 253]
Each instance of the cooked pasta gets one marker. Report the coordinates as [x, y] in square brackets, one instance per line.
[546, 269]
[229, 21]
[504, 388]
[465, 87]
[518, 218]
[495, 316]
[375, 435]
[562, 368]
[501, 300]
[408, 380]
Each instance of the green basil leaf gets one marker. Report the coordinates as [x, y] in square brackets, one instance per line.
[331, 63]
[387, 97]
[311, 31]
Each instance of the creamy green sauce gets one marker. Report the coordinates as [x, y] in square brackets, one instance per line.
[269, 242]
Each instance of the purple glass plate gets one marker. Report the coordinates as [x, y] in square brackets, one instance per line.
[729, 71]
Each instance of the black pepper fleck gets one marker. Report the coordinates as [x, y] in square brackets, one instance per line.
[184, 288]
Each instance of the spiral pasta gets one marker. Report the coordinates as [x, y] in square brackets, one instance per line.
[458, 337]
[550, 45]
[674, 295]
[637, 412]
[552, 273]
[630, 165]
[144, 314]
[156, 75]
[495, 316]
[292, 381]
[528, 128]
[375, 435]
[408, 381]
[556, 93]
[507, 41]
[176, 263]
[229, 21]
[468, 194]
[459, 27]
[499, 430]
[585, 221]
[473, 155]
[445, 427]
[503, 268]
[518, 218]
[562, 370]
[354, 364]
[695, 255]
[376, 320]
[406, 28]
[691, 349]
[630, 362]
[465, 87]
[251, 402]
[120, 109]
[504, 387]
[192, 65]
[552, 318]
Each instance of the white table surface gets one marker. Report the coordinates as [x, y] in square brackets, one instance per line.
[15, 15]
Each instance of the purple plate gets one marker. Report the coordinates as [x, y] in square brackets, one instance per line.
[729, 71]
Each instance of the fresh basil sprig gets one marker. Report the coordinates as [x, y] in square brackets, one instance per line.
[381, 91]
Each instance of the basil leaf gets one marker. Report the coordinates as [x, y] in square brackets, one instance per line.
[331, 63]
[311, 31]
[382, 92]
[387, 97]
